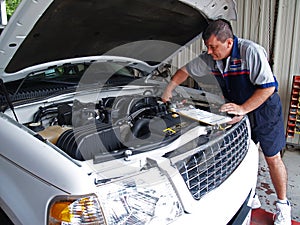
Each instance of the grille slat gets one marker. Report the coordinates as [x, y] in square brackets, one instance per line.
[210, 167]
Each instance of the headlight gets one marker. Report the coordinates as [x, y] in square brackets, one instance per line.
[71, 210]
[145, 198]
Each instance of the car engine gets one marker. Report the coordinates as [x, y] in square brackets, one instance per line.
[110, 127]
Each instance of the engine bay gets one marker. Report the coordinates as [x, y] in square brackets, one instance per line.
[109, 127]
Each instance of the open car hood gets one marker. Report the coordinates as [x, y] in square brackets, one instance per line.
[50, 30]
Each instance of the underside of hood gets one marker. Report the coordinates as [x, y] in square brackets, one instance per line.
[77, 28]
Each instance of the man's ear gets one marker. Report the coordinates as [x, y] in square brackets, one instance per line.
[229, 42]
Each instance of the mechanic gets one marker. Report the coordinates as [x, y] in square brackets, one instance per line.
[247, 82]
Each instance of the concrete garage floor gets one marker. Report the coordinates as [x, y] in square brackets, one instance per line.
[265, 189]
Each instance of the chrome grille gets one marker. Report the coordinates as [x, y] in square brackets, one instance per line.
[215, 161]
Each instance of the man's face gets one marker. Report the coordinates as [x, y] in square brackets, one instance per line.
[217, 49]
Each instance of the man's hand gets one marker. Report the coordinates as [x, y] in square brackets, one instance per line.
[167, 95]
[180, 76]
[233, 109]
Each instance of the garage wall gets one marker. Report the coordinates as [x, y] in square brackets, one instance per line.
[256, 21]
[287, 51]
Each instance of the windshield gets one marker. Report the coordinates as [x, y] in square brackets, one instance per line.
[65, 78]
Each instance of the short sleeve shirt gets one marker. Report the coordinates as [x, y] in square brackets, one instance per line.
[245, 70]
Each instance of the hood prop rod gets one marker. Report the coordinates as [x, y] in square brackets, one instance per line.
[8, 100]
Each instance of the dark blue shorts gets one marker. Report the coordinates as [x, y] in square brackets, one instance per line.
[267, 126]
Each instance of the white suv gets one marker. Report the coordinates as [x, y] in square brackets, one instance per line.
[85, 137]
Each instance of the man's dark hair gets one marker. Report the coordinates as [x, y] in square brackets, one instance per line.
[220, 28]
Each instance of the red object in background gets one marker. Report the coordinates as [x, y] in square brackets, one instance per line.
[262, 217]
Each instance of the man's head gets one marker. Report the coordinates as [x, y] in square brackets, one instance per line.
[218, 38]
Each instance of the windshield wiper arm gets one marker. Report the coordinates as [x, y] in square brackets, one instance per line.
[20, 85]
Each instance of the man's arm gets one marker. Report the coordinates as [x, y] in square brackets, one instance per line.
[258, 98]
[179, 77]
